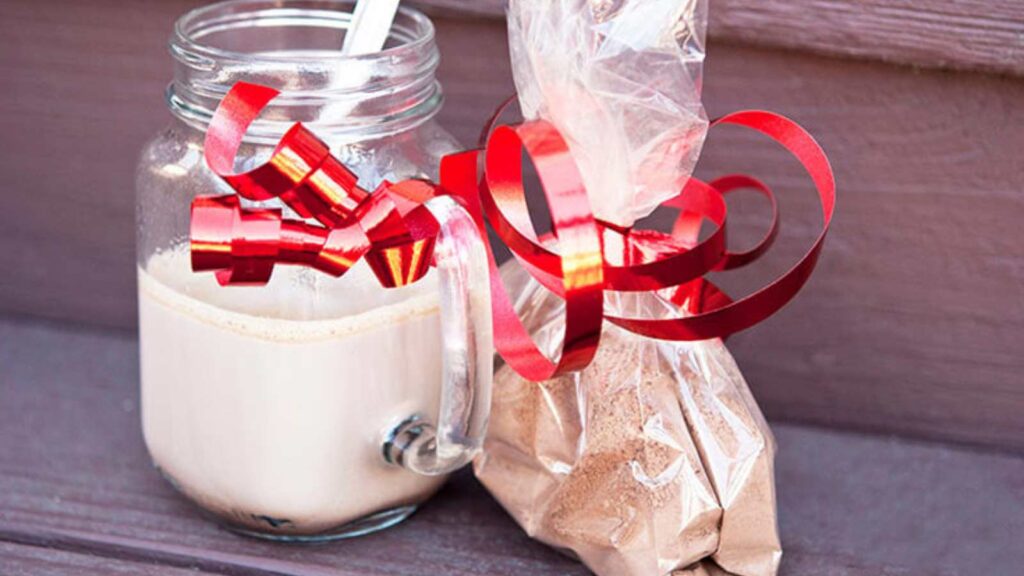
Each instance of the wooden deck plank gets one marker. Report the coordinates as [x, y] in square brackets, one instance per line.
[960, 34]
[19, 560]
[74, 474]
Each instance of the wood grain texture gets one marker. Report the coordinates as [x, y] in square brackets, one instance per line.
[960, 34]
[18, 560]
[913, 324]
[462, 8]
[74, 475]
[81, 97]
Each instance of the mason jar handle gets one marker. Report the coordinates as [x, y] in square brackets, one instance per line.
[436, 448]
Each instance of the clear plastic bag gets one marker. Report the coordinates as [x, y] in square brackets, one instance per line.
[621, 80]
[653, 458]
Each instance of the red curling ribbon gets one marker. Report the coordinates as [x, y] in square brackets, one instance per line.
[677, 262]
[580, 266]
[395, 233]
[243, 244]
[726, 185]
[741, 314]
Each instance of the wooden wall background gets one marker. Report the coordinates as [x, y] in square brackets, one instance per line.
[914, 323]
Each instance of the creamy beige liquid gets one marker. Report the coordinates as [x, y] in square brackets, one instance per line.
[268, 405]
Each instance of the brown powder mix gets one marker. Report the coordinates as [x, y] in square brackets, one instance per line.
[609, 463]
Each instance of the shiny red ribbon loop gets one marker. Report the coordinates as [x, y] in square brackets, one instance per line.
[720, 321]
[579, 268]
[243, 244]
[578, 261]
[631, 260]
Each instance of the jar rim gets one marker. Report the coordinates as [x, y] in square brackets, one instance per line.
[389, 90]
[193, 26]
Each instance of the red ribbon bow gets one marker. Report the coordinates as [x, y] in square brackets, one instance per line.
[395, 233]
[389, 227]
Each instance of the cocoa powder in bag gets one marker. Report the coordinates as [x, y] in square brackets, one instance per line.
[601, 463]
[652, 459]
[738, 452]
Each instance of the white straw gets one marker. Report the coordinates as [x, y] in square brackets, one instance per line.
[370, 25]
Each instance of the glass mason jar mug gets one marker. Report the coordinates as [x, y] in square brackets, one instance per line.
[313, 407]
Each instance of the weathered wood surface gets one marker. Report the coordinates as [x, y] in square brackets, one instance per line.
[74, 476]
[17, 560]
[81, 96]
[961, 34]
[913, 323]
[463, 8]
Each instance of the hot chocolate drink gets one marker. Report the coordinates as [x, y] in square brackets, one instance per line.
[269, 405]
